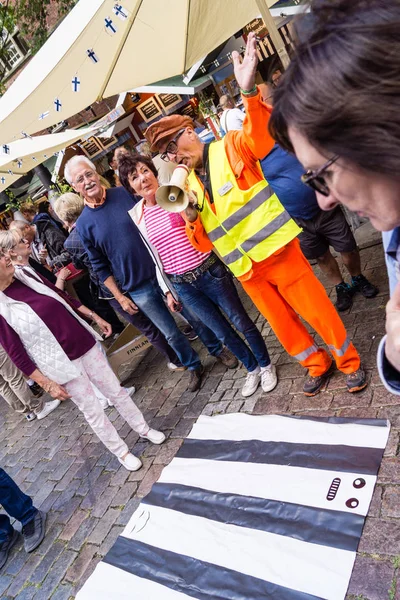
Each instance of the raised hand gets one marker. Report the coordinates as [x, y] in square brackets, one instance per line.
[245, 69]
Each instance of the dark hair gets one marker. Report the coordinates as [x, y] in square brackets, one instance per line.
[43, 206]
[342, 88]
[109, 176]
[128, 163]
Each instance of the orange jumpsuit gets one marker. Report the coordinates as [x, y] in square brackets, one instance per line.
[282, 286]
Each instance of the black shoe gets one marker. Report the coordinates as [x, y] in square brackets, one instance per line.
[5, 547]
[190, 333]
[33, 532]
[36, 390]
[195, 379]
[344, 295]
[312, 385]
[356, 381]
[365, 287]
[228, 358]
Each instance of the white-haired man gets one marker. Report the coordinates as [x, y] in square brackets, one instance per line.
[122, 260]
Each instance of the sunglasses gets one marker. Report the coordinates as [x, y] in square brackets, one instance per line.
[172, 147]
[316, 179]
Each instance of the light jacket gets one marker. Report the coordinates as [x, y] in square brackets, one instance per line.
[243, 225]
[137, 216]
[37, 339]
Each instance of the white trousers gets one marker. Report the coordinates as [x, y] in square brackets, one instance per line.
[95, 368]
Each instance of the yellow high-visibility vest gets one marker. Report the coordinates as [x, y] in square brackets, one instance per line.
[248, 225]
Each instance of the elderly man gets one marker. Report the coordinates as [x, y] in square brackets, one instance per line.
[122, 260]
[239, 215]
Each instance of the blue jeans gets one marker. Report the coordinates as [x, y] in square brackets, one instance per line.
[213, 292]
[148, 297]
[16, 503]
[208, 337]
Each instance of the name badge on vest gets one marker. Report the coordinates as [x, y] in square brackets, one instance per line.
[225, 188]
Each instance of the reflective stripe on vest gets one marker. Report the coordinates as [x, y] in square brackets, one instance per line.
[248, 225]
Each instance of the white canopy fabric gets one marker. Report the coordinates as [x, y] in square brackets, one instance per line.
[19, 157]
[104, 48]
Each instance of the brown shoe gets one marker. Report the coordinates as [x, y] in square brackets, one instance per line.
[312, 385]
[195, 379]
[228, 358]
[356, 381]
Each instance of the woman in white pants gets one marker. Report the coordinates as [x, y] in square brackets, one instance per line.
[42, 330]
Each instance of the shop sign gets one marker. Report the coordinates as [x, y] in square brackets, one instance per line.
[258, 27]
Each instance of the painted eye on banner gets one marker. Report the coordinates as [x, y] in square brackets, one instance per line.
[352, 503]
[359, 483]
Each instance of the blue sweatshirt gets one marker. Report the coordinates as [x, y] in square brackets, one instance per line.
[283, 172]
[113, 242]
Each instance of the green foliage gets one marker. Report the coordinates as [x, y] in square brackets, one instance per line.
[62, 186]
[15, 203]
[30, 17]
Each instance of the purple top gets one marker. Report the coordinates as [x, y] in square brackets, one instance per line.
[74, 339]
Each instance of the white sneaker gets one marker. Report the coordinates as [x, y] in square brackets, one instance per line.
[154, 436]
[173, 367]
[269, 378]
[252, 382]
[131, 462]
[47, 409]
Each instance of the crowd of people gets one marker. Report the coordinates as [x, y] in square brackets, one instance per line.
[254, 219]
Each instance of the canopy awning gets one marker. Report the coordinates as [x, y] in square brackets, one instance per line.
[175, 85]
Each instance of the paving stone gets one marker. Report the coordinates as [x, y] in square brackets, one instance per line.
[128, 511]
[380, 537]
[183, 428]
[151, 477]
[110, 540]
[371, 578]
[24, 574]
[73, 524]
[322, 400]
[81, 563]
[103, 526]
[64, 592]
[268, 404]
[390, 501]
[235, 406]
[80, 537]
[45, 565]
[56, 573]
[167, 451]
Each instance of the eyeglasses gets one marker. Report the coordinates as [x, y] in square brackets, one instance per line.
[88, 175]
[316, 179]
[172, 147]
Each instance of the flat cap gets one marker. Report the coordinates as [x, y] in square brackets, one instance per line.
[165, 128]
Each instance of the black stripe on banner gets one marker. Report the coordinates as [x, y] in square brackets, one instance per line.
[336, 529]
[348, 459]
[193, 577]
[341, 420]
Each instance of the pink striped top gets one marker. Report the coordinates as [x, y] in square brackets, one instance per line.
[167, 233]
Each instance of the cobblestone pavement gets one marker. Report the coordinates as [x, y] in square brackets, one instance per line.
[89, 497]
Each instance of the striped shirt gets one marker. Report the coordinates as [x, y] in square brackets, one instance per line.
[167, 232]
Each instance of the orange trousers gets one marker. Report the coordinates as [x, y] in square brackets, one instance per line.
[284, 286]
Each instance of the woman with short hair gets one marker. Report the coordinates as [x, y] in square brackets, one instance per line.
[47, 336]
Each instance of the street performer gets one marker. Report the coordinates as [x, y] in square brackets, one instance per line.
[239, 217]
